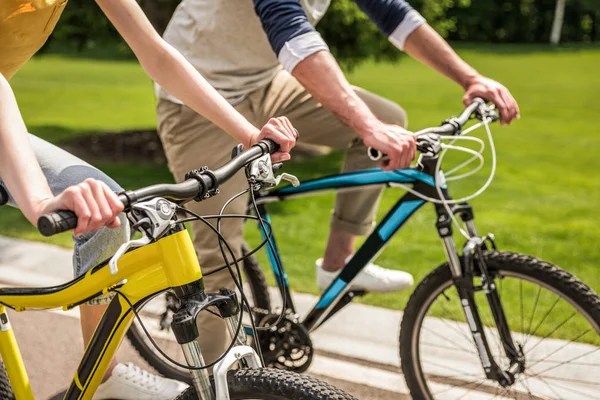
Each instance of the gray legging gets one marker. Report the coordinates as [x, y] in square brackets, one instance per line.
[62, 170]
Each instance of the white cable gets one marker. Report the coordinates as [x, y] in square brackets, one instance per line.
[448, 174]
[447, 203]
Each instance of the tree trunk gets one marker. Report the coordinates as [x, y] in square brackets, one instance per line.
[559, 15]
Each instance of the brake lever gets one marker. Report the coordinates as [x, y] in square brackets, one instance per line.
[287, 177]
[144, 240]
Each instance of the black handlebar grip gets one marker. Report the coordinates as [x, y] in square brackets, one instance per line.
[273, 147]
[57, 222]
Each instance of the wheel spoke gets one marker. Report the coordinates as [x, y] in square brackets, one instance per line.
[521, 301]
[524, 383]
[556, 328]
[567, 388]
[460, 372]
[445, 339]
[537, 298]
[562, 363]
[481, 382]
[439, 346]
[450, 387]
[559, 349]
[457, 330]
[543, 319]
[550, 387]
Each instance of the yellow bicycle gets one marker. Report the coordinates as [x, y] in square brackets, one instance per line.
[162, 259]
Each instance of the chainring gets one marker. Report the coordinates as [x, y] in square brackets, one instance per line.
[287, 345]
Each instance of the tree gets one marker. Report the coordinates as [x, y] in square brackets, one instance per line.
[559, 17]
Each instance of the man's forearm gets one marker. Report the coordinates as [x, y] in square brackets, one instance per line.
[427, 46]
[322, 77]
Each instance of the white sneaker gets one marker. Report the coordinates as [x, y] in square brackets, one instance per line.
[129, 382]
[372, 278]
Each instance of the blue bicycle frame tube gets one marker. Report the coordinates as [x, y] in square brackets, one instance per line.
[353, 179]
[390, 224]
[280, 275]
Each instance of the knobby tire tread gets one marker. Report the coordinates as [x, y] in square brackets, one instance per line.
[274, 384]
[6, 392]
[562, 281]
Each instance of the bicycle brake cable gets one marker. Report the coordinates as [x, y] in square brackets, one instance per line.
[234, 339]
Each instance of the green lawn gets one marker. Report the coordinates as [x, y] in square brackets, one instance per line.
[543, 201]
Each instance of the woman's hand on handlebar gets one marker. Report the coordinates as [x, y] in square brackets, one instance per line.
[398, 144]
[94, 203]
[281, 131]
[496, 93]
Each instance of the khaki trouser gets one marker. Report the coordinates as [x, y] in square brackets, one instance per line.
[191, 141]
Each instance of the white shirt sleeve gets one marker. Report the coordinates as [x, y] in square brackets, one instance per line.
[297, 49]
[411, 21]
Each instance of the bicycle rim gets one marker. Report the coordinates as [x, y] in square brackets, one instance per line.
[562, 351]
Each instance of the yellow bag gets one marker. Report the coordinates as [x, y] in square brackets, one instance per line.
[24, 28]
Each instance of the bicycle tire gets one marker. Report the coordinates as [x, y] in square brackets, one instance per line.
[6, 392]
[137, 337]
[549, 275]
[274, 384]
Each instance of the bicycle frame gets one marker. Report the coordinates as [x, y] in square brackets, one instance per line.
[391, 223]
[170, 262]
[337, 295]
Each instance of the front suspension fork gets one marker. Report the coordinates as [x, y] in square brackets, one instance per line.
[463, 273]
[186, 332]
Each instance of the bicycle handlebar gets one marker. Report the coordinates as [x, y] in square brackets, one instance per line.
[196, 187]
[451, 126]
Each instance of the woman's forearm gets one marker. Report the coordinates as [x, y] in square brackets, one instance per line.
[19, 167]
[172, 71]
[177, 76]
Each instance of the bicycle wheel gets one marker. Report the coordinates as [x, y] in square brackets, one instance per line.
[554, 319]
[6, 392]
[157, 313]
[274, 384]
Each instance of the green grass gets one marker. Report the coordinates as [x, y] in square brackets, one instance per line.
[542, 202]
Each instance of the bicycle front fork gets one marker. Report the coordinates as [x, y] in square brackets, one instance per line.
[463, 271]
[194, 300]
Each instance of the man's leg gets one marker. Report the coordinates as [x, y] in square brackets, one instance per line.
[191, 142]
[358, 208]
[354, 212]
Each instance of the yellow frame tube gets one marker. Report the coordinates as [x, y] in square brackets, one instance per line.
[144, 272]
[11, 356]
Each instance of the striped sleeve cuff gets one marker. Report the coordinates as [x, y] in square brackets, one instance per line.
[411, 21]
[300, 47]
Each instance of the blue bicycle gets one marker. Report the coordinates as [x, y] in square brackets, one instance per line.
[485, 322]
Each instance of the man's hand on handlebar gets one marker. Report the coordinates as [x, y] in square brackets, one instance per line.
[495, 93]
[395, 142]
[281, 131]
[94, 203]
